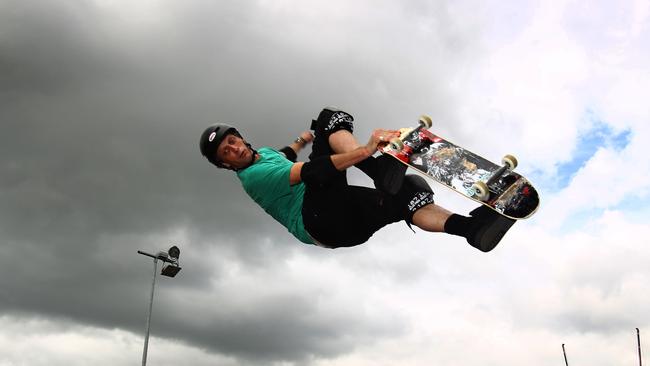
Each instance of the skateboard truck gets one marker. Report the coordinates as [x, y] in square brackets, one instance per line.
[397, 143]
[481, 189]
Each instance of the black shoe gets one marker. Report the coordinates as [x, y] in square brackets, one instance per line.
[390, 174]
[487, 229]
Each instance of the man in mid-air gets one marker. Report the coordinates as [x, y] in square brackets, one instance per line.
[314, 201]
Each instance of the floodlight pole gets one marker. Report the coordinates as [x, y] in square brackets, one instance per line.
[566, 362]
[146, 337]
[638, 340]
[165, 258]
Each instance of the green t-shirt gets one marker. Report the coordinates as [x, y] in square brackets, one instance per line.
[267, 183]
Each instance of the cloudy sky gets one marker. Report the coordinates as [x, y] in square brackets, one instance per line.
[101, 106]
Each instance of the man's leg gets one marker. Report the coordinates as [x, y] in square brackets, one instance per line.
[337, 126]
[343, 141]
[483, 229]
[431, 218]
[331, 122]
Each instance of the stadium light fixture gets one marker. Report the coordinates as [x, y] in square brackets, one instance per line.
[170, 268]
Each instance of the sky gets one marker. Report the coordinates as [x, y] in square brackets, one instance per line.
[101, 107]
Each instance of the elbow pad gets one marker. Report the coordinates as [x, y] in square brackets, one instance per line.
[289, 153]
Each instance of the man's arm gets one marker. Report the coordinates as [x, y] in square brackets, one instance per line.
[291, 151]
[340, 162]
[348, 159]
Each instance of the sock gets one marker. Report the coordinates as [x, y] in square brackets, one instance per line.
[458, 225]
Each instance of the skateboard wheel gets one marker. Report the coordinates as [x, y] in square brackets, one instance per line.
[425, 121]
[481, 191]
[396, 144]
[510, 161]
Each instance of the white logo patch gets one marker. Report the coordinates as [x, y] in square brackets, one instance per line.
[212, 136]
[420, 199]
[339, 118]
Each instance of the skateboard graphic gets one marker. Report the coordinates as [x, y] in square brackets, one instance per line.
[495, 186]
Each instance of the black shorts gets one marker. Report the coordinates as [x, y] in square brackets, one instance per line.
[339, 215]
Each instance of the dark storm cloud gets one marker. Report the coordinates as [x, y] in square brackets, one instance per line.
[99, 158]
[107, 143]
[282, 327]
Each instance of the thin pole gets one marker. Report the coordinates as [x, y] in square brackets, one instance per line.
[565, 359]
[638, 340]
[146, 337]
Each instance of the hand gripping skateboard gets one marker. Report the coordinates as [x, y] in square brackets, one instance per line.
[495, 186]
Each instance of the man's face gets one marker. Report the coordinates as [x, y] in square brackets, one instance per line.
[233, 152]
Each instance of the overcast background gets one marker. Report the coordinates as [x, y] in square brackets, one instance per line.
[101, 107]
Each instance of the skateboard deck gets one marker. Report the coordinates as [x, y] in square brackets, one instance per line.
[508, 193]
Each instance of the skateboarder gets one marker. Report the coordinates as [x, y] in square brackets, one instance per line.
[314, 201]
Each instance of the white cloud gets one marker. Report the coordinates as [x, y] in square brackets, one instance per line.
[36, 342]
[524, 95]
[518, 304]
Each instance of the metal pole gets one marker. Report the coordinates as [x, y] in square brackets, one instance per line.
[638, 340]
[566, 362]
[146, 337]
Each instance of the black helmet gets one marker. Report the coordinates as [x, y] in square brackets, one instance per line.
[212, 137]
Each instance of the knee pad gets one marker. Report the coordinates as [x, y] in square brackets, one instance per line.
[415, 194]
[417, 183]
[331, 120]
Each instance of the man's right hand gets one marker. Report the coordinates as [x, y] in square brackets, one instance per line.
[380, 137]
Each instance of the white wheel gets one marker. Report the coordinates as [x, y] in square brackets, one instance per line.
[425, 121]
[481, 191]
[396, 144]
[510, 161]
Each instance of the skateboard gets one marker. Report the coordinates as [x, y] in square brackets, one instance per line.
[493, 185]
